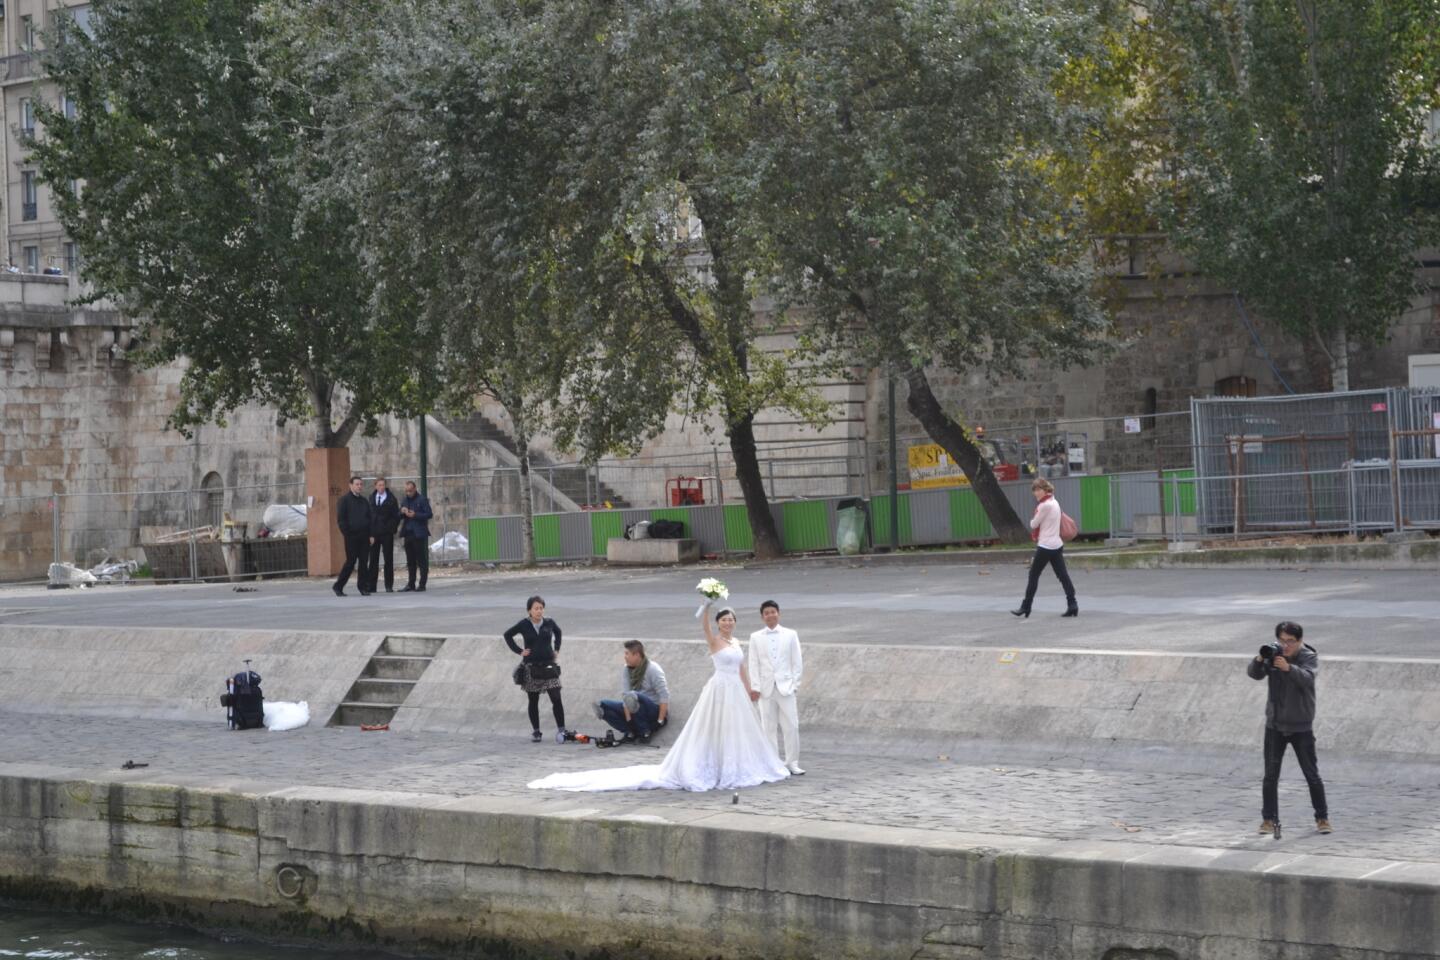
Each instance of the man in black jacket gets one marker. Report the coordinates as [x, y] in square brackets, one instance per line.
[415, 530]
[352, 514]
[384, 521]
[1289, 716]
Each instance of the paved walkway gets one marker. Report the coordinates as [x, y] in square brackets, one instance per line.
[1217, 810]
[1352, 612]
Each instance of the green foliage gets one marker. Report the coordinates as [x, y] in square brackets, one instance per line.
[1300, 149]
[917, 184]
[194, 144]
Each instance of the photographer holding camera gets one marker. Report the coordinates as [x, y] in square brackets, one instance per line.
[1289, 666]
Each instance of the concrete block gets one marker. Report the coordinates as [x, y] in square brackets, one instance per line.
[652, 552]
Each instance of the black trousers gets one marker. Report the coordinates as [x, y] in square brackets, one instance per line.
[417, 558]
[1304, 747]
[383, 546]
[1056, 559]
[357, 553]
[557, 707]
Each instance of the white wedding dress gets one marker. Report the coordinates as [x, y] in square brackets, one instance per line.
[722, 746]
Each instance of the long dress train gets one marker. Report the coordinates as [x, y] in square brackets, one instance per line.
[722, 746]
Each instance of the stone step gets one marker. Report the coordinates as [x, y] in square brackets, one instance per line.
[401, 645]
[396, 668]
[375, 690]
[352, 714]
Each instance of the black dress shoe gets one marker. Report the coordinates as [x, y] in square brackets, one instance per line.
[1072, 612]
[337, 591]
[365, 593]
[407, 589]
[1022, 612]
[389, 590]
[419, 589]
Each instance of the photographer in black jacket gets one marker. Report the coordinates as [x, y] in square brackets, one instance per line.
[352, 514]
[1290, 667]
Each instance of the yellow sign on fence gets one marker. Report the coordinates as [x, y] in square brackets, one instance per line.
[931, 466]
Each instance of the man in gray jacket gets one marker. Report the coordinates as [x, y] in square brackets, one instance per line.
[644, 706]
[1289, 716]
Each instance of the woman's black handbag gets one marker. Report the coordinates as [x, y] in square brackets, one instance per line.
[545, 671]
[519, 675]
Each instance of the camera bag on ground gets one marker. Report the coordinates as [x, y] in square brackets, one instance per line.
[244, 701]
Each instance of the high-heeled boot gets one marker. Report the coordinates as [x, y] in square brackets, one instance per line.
[1073, 610]
[1024, 611]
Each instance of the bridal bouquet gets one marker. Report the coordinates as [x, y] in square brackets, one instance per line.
[710, 589]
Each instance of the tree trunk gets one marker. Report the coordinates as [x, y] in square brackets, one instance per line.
[1340, 360]
[765, 538]
[950, 435]
[527, 503]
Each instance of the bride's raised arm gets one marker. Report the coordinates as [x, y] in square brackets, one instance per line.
[711, 639]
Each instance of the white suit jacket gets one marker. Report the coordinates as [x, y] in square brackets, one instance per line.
[773, 661]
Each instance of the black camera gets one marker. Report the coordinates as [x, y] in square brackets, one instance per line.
[1269, 651]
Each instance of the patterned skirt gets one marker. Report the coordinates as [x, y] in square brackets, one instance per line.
[531, 685]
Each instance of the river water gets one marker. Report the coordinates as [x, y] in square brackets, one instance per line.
[77, 936]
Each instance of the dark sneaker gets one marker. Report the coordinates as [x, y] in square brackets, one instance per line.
[628, 738]
[1323, 826]
[536, 736]
[1267, 828]
[644, 738]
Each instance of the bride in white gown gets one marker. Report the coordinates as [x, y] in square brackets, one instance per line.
[722, 746]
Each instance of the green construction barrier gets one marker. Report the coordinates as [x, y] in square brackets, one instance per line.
[805, 526]
[484, 539]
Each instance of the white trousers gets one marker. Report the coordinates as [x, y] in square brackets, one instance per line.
[776, 710]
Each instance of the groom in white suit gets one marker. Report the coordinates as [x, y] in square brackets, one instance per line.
[775, 667]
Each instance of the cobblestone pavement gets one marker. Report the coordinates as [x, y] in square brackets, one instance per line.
[1218, 810]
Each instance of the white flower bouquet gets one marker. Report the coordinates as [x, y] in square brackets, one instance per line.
[712, 590]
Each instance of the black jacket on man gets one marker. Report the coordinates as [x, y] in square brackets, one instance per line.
[418, 525]
[352, 513]
[384, 517]
[1290, 707]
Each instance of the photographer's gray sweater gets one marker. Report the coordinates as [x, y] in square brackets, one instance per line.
[653, 685]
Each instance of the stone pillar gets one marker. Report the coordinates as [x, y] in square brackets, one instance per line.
[327, 477]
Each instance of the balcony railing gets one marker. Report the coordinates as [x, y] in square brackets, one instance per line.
[18, 67]
[29, 211]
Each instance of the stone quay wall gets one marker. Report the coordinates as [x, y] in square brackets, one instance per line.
[466, 874]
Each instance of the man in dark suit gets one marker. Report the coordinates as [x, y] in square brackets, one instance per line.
[415, 531]
[384, 521]
[352, 514]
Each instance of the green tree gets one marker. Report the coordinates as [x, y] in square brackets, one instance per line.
[916, 202]
[444, 140]
[664, 123]
[1300, 146]
[193, 145]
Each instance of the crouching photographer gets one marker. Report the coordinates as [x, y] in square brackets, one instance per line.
[644, 704]
[1289, 667]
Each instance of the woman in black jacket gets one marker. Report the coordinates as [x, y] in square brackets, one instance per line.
[541, 672]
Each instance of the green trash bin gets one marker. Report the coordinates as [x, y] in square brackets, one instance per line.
[851, 526]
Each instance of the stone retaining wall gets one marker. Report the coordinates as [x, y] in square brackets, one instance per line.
[466, 874]
[1086, 703]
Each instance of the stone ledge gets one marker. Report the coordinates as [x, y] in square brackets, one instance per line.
[399, 868]
[652, 552]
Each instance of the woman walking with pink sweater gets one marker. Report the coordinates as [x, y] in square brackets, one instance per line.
[1049, 549]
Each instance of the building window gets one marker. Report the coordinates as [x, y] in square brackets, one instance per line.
[32, 259]
[57, 346]
[1235, 387]
[1152, 403]
[27, 116]
[72, 257]
[27, 33]
[68, 107]
[29, 196]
